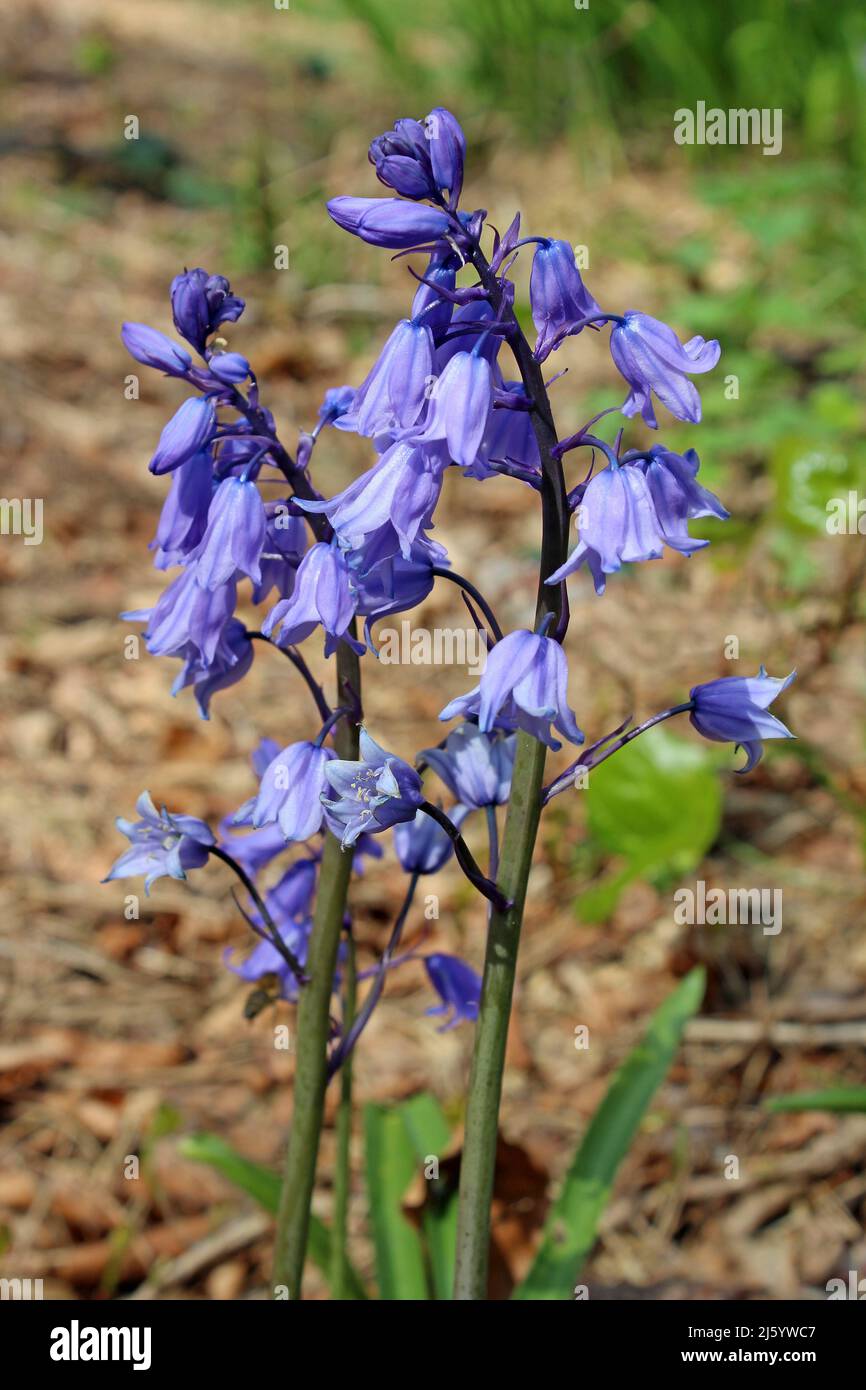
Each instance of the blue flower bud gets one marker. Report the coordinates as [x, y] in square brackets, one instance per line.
[188, 432]
[389, 222]
[154, 349]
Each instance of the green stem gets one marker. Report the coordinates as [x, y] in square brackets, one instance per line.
[342, 1169]
[314, 1018]
[521, 826]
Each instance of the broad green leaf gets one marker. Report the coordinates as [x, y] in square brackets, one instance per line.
[264, 1186]
[429, 1134]
[573, 1220]
[834, 1098]
[390, 1167]
[658, 804]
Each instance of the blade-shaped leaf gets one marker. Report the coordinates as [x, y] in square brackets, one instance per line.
[571, 1225]
[264, 1186]
[390, 1167]
[429, 1134]
[834, 1098]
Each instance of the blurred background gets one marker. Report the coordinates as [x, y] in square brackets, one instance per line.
[121, 1037]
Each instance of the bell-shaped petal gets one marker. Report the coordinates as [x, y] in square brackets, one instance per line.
[189, 431]
[458, 987]
[735, 709]
[371, 794]
[393, 394]
[475, 766]
[447, 145]
[183, 518]
[422, 845]
[559, 298]
[291, 788]
[323, 595]
[652, 359]
[186, 614]
[231, 662]
[160, 844]
[461, 404]
[526, 682]
[235, 535]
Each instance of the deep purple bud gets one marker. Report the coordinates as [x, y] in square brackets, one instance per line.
[457, 985]
[235, 535]
[190, 429]
[447, 145]
[200, 303]
[291, 787]
[389, 222]
[229, 367]
[154, 349]
[734, 709]
[652, 359]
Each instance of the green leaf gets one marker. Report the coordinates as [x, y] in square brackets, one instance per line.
[834, 1098]
[390, 1167]
[429, 1134]
[571, 1226]
[658, 804]
[263, 1186]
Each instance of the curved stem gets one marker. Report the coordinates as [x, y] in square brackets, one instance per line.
[611, 743]
[344, 1051]
[300, 665]
[342, 1162]
[465, 857]
[314, 1020]
[521, 826]
[273, 934]
[442, 573]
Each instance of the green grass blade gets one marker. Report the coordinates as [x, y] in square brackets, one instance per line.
[571, 1226]
[834, 1098]
[264, 1187]
[429, 1134]
[390, 1167]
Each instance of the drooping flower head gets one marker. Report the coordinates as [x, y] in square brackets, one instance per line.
[200, 303]
[322, 596]
[185, 616]
[233, 541]
[458, 986]
[422, 845]
[526, 681]
[735, 709]
[475, 766]
[372, 794]
[652, 359]
[188, 432]
[291, 788]
[160, 844]
[559, 298]
[231, 661]
[392, 395]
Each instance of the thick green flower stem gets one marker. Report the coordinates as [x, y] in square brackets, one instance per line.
[313, 1025]
[342, 1162]
[521, 826]
[485, 1086]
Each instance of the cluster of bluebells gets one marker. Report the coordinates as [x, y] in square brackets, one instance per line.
[440, 396]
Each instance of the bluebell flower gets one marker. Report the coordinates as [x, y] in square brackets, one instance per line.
[235, 535]
[336, 402]
[188, 432]
[447, 146]
[372, 794]
[475, 766]
[458, 986]
[509, 438]
[183, 518]
[422, 845]
[402, 160]
[526, 681]
[282, 552]
[200, 303]
[652, 359]
[734, 709]
[255, 849]
[187, 615]
[322, 596]
[290, 790]
[392, 395]
[558, 296]
[160, 844]
[460, 408]
[394, 585]
[394, 500]
[153, 349]
[230, 663]
[389, 222]
[630, 512]
[229, 367]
